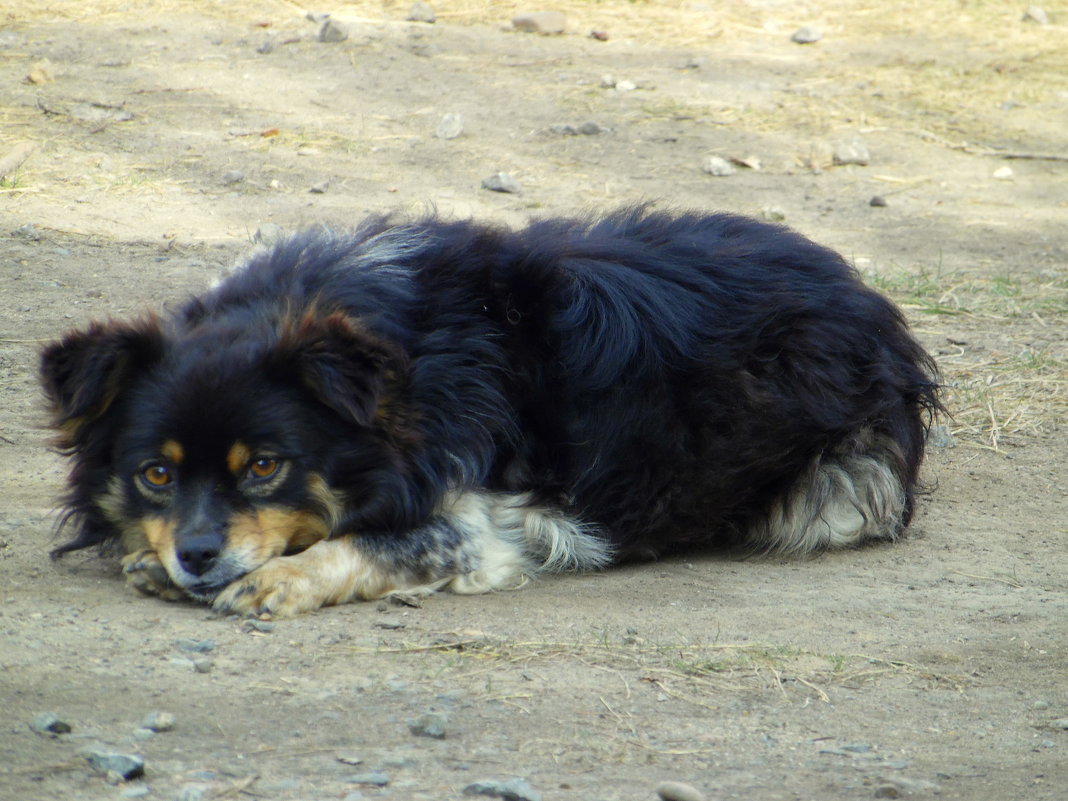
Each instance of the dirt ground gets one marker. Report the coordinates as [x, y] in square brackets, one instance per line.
[166, 134]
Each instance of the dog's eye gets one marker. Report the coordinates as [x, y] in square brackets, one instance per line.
[157, 475]
[263, 467]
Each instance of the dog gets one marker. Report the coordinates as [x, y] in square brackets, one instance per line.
[425, 405]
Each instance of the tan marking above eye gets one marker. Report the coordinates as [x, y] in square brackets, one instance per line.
[173, 451]
[238, 457]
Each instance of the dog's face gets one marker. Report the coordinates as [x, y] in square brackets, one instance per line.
[221, 448]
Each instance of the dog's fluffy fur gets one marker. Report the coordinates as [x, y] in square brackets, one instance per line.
[448, 405]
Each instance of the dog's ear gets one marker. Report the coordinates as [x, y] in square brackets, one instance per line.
[83, 373]
[345, 366]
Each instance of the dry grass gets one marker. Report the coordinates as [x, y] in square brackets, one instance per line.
[1002, 351]
[691, 672]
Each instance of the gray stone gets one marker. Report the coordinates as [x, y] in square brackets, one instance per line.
[1036, 14]
[511, 790]
[450, 127]
[107, 762]
[233, 177]
[719, 166]
[429, 724]
[48, 723]
[502, 182]
[333, 31]
[851, 151]
[678, 791]
[192, 792]
[543, 22]
[1061, 723]
[422, 12]
[940, 436]
[593, 129]
[806, 35]
[135, 791]
[878, 201]
[195, 646]
[375, 778]
[158, 721]
[268, 234]
[204, 664]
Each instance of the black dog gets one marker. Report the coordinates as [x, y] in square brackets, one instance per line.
[448, 405]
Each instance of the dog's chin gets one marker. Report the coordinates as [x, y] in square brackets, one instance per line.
[205, 588]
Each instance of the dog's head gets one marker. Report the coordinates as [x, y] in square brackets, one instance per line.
[220, 446]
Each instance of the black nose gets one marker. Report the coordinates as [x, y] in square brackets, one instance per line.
[198, 554]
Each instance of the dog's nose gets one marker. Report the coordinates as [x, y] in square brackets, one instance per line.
[198, 554]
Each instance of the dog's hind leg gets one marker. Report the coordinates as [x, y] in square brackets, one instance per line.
[846, 497]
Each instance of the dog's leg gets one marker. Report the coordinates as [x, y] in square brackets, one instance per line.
[328, 572]
[846, 498]
[478, 542]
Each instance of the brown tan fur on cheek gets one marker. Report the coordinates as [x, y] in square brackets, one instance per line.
[159, 532]
[273, 532]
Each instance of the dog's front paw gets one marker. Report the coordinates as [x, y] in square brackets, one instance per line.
[275, 588]
[145, 573]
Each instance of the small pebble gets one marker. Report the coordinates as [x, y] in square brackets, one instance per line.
[1036, 14]
[319, 188]
[191, 792]
[333, 32]
[113, 763]
[678, 791]
[773, 214]
[233, 177]
[268, 234]
[375, 778]
[626, 86]
[141, 734]
[852, 151]
[719, 166]
[195, 646]
[544, 22]
[806, 35]
[592, 129]
[878, 201]
[158, 721]
[204, 664]
[429, 724]
[1061, 723]
[502, 182]
[135, 791]
[450, 127]
[940, 436]
[49, 724]
[511, 790]
[422, 12]
[265, 626]
[27, 231]
[1003, 173]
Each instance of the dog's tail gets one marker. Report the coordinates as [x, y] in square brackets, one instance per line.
[861, 491]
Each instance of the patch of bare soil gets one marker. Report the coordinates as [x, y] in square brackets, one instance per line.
[165, 134]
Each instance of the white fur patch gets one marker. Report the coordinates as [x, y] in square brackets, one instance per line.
[845, 500]
[512, 540]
